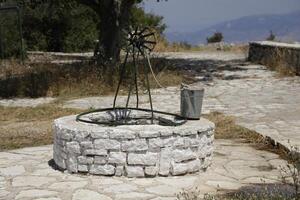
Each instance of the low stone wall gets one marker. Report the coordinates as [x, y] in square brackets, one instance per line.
[133, 151]
[275, 54]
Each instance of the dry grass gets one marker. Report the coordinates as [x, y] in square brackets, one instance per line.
[164, 46]
[26, 127]
[226, 128]
[278, 60]
[72, 80]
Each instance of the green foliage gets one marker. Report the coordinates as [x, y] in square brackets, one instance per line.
[216, 37]
[54, 26]
[140, 18]
[64, 26]
[9, 37]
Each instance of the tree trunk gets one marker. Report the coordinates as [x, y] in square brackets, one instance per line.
[114, 16]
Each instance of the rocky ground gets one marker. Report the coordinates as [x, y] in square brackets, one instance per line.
[27, 174]
[258, 98]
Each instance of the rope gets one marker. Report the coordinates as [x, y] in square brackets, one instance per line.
[152, 72]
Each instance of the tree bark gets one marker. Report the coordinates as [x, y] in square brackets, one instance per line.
[114, 17]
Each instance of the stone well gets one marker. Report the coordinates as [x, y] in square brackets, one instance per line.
[133, 150]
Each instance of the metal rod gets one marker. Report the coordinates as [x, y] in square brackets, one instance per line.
[136, 79]
[148, 87]
[122, 73]
[80, 116]
[131, 85]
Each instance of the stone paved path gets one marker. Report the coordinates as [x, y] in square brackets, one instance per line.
[257, 97]
[25, 174]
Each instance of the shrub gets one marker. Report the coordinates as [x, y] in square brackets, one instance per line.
[216, 37]
[271, 37]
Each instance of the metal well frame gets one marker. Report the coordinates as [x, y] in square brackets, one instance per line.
[139, 44]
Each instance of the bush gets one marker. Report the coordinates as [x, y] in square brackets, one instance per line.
[271, 37]
[216, 37]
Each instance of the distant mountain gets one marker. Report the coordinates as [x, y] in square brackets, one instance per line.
[258, 27]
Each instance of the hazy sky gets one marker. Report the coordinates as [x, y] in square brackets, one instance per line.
[191, 15]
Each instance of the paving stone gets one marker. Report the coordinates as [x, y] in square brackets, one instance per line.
[70, 185]
[162, 190]
[133, 195]
[4, 193]
[12, 171]
[179, 182]
[106, 181]
[121, 188]
[89, 195]
[35, 193]
[35, 181]
[165, 198]
[226, 185]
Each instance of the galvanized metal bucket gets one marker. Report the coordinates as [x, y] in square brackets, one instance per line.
[191, 103]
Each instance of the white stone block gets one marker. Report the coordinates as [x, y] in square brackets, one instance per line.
[100, 134]
[117, 158]
[165, 161]
[85, 160]
[178, 168]
[191, 142]
[155, 143]
[102, 170]
[149, 134]
[95, 152]
[147, 159]
[151, 171]
[66, 136]
[186, 131]
[100, 160]
[72, 164]
[81, 135]
[135, 171]
[83, 168]
[194, 166]
[87, 145]
[59, 161]
[106, 144]
[73, 147]
[180, 155]
[119, 171]
[119, 133]
[135, 145]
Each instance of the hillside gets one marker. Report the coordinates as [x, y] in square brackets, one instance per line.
[286, 27]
